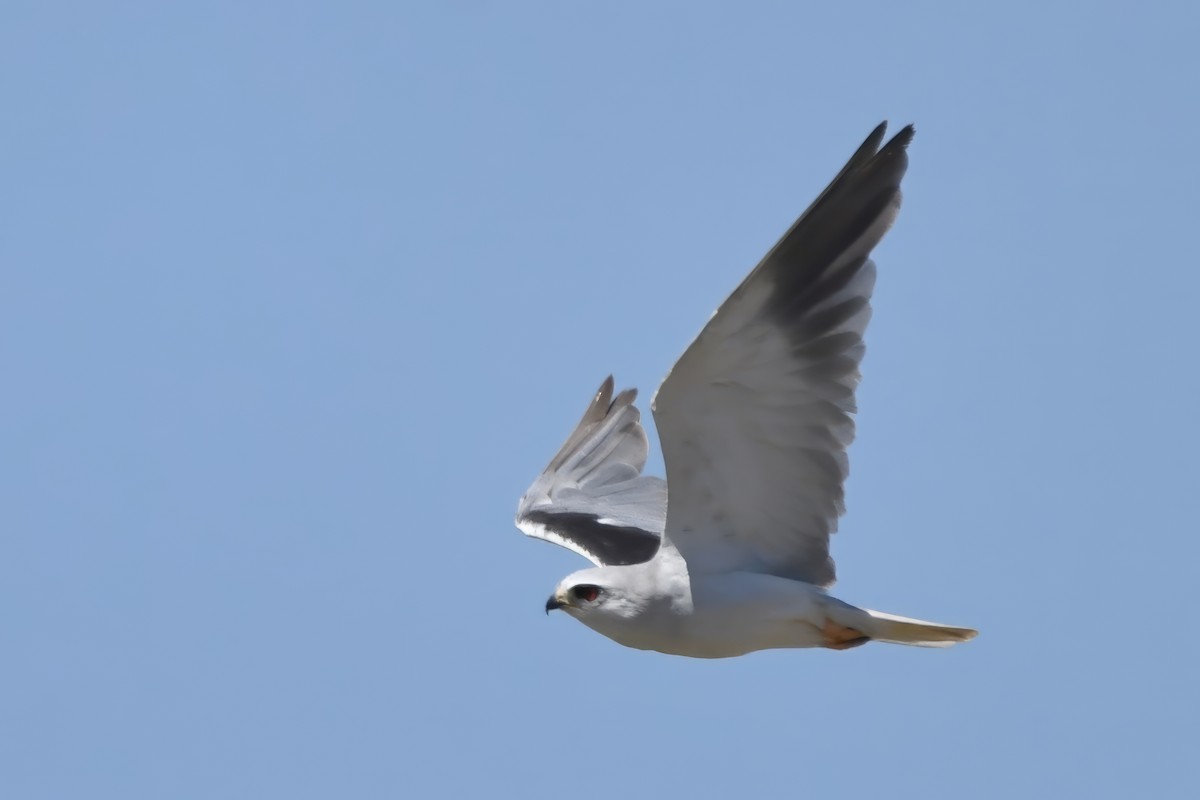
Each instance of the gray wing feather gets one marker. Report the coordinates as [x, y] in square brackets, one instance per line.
[756, 416]
[592, 497]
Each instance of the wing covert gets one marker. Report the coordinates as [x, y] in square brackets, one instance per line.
[592, 497]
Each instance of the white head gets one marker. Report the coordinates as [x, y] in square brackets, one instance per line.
[600, 597]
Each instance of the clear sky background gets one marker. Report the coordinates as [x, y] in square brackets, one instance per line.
[296, 299]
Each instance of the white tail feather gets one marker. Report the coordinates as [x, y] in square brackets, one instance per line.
[903, 630]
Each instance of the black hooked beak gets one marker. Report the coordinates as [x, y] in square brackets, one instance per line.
[553, 604]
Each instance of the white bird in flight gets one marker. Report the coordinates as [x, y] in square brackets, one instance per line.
[754, 419]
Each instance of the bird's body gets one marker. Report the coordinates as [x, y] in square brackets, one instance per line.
[715, 616]
[725, 614]
[755, 420]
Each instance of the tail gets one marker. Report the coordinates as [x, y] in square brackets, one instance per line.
[902, 630]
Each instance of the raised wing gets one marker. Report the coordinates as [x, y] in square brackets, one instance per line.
[592, 497]
[755, 418]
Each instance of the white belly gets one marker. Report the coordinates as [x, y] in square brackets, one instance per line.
[729, 615]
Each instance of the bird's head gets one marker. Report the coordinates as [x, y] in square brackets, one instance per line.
[591, 594]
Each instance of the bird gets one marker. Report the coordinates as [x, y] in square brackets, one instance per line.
[730, 554]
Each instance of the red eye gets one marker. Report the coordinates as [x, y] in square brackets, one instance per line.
[586, 592]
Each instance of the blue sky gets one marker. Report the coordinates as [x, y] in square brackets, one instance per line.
[296, 300]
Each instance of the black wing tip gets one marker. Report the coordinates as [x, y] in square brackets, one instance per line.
[605, 390]
[598, 408]
[871, 152]
[900, 141]
[604, 396]
[625, 398]
[891, 157]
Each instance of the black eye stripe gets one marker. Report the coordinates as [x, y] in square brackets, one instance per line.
[585, 592]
